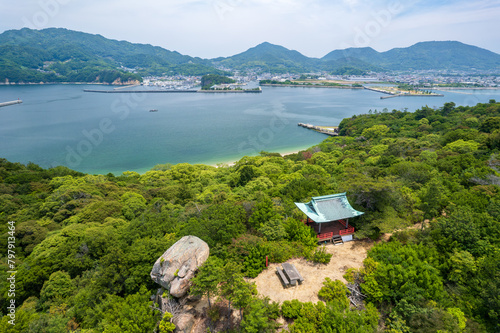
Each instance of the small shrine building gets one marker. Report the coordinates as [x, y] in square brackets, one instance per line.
[329, 216]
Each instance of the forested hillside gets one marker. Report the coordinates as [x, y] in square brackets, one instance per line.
[85, 244]
[61, 55]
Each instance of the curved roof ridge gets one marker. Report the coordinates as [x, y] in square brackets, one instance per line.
[328, 208]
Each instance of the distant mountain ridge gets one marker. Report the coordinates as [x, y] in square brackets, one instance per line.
[425, 55]
[61, 55]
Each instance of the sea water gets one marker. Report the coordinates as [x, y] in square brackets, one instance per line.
[100, 133]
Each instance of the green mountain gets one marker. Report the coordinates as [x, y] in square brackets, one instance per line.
[61, 55]
[423, 56]
[349, 66]
[366, 54]
[270, 58]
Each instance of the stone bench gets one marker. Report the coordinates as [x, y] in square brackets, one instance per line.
[282, 276]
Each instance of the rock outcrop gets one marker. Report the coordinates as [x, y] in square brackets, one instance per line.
[175, 268]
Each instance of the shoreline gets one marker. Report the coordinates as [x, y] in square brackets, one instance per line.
[229, 162]
[233, 162]
[307, 86]
[464, 88]
[66, 83]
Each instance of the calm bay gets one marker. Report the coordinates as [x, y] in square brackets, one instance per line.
[101, 133]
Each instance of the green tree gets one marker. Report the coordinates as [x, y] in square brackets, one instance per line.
[133, 205]
[242, 295]
[462, 147]
[217, 224]
[402, 272]
[334, 291]
[56, 289]
[298, 231]
[490, 124]
[273, 230]
[259, 316]
[208, 278]
[166, 326]
[130, 314]
[376, 131]
[433, 198]
[262, 213]
[231, 280]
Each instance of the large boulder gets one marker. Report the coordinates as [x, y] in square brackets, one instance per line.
[175, 268]
[184, 322]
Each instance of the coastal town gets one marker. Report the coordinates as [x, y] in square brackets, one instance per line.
[435, 80]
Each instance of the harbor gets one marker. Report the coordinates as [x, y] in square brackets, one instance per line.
[10, 103]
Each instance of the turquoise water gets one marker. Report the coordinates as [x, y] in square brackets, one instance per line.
[101, 133]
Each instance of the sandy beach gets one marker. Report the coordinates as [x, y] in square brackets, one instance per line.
[231, 163]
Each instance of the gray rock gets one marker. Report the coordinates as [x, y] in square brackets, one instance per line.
[176, 267]
[184, 322]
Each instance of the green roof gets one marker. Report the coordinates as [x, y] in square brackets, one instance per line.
[328, 208]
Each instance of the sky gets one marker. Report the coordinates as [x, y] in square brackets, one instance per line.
[214, 28]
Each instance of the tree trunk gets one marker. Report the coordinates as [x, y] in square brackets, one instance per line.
[228, 315]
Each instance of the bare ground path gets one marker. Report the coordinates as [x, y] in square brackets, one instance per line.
[347, 255]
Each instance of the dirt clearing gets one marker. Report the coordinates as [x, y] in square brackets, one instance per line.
[347, 255]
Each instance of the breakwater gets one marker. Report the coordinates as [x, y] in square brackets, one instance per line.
[169, 91]
[252, 91]
[412, 95]
[139, 91]
[307, 86]
[10, 103]
[400, 93]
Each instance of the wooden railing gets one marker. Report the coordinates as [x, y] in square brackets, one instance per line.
[347, 231]
[325, 236]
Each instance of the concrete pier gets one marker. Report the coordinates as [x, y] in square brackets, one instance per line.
[328, 130]
[11, 103]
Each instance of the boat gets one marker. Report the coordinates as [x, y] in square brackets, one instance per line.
[153, 110]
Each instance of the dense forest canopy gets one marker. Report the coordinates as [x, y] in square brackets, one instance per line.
[85, 244]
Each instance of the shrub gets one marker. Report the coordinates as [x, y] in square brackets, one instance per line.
[282, 251]
[334, 291]
[165, 324]
[291, 309]
[321, 256]
[255, 262]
